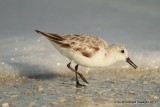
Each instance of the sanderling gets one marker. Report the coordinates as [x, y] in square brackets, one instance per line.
[87, 51]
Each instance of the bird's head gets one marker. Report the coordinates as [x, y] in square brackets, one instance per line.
[121, 53]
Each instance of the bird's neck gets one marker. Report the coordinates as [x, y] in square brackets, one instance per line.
[110, 57]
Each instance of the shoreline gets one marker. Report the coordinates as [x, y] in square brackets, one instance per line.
[106, 87]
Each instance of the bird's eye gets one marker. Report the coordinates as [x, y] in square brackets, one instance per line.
[122, 51]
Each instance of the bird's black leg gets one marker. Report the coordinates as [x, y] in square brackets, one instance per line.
[77, 81]
[82, 77]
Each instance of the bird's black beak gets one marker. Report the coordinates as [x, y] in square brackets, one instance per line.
[131, 63]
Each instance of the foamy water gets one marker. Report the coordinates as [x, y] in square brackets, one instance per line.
[25, 56]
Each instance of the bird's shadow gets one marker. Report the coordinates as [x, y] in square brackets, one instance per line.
[33, 71]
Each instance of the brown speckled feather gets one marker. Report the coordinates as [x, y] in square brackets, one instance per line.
[87, 45]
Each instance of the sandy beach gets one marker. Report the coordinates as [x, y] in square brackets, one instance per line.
[108, 87]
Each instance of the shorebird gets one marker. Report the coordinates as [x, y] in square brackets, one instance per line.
[87, 51]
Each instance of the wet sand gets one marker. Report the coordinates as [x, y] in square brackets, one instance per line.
[106, 88]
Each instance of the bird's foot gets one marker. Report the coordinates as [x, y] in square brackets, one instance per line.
[78, 85]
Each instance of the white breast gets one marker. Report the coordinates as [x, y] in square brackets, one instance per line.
[96, 60]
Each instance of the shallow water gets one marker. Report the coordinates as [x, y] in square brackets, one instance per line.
[25, 56]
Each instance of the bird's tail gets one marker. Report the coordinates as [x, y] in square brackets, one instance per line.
[53, 37]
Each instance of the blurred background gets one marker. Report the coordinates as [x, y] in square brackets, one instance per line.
[128, 22]
[133, 23]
